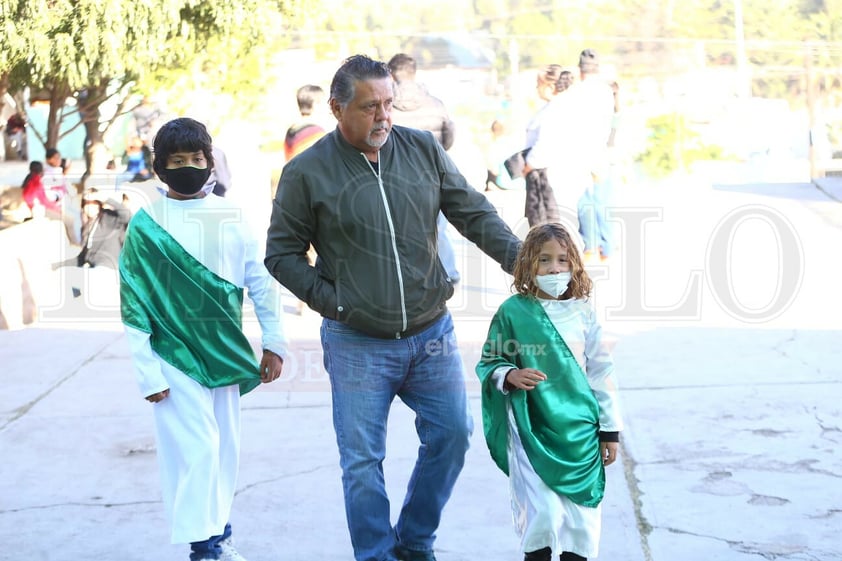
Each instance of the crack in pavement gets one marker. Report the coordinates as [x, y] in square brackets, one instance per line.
[26, 407]
[239, 491]
[769, 551]
[77, 504]
[644, 528]
[281, 477]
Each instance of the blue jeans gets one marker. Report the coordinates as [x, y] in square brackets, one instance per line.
[366, 373]
[594, 226]
[209, 548]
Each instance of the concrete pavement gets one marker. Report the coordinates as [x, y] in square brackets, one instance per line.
[729, 367]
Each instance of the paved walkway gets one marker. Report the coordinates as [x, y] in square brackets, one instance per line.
[725, 308]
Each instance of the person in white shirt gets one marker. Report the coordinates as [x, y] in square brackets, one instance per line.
[595, 106]
[57, 186]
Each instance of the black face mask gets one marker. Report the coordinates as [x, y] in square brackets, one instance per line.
[186, 180]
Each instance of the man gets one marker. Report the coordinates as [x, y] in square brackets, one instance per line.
[303, 134]
[147, 119]
[103, 231]
[367, 195]
[595, 100]
[415, 107]
[572, 141]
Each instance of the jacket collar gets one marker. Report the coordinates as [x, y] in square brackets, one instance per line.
[353, 152]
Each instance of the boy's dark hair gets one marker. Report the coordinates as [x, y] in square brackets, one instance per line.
[50, 153]
[354, 69]
[403, 67]
[180, 135]
[307, 96]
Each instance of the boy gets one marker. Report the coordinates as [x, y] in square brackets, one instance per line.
[183, 267]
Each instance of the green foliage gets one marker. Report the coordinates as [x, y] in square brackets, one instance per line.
[190, 49]
[78, 47]
[673, 146]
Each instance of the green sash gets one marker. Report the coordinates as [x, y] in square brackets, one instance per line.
[558, 421]
[193, 315]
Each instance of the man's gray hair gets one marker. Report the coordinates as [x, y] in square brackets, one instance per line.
[588, 62]
[354, 69]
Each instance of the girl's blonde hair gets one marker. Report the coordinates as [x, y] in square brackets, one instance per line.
[526, 265]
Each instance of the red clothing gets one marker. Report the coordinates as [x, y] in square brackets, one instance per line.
[33, 190]
[300, 137]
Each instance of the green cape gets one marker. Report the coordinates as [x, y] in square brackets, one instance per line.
[194, 316]
[558, 421]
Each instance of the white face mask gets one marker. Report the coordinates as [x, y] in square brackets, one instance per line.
[554, 285]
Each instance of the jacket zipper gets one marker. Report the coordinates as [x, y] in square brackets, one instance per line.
[394, 241]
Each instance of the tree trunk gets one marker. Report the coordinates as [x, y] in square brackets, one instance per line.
[4, 87]
[96, 153]
[58, 99]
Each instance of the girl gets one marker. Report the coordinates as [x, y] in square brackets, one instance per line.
[549, 399]
[34, 192]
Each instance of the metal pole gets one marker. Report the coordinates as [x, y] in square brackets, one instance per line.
[811, 111]
[743, 77]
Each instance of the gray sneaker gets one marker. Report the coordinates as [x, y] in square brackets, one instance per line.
[228, 551]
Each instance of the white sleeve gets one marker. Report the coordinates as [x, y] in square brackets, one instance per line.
[147, 365]
[265, 292]
[599, 367]
[499, 378]
[546, 149]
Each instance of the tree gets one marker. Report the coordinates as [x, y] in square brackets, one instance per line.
[93, 50]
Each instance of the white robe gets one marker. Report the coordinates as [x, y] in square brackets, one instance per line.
[542, 517]
[198, 428]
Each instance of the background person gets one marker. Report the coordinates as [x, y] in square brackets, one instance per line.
[540, 204]
[57, 186]
[34, 194]
[103, 231]
[366, 196]
[137, 161]
[220, 177]
[304, 133]
[594, 107]
[15, 138]
[501, 147]
[415, 107]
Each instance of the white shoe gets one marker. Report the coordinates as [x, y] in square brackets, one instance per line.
[228, 551]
